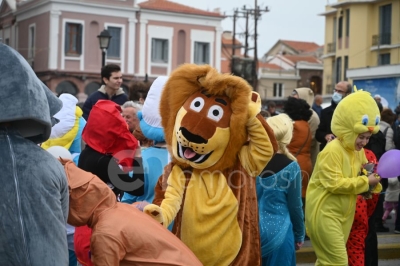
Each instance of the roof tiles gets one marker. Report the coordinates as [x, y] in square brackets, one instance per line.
[301, 47]
[169, 6]
[302, 58]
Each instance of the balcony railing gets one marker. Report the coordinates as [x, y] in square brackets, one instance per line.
[331, 48]
[383, 39]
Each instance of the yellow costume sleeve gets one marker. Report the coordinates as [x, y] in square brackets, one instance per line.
[171, 204]
[377, 189]
[339, 178]
[259, 151]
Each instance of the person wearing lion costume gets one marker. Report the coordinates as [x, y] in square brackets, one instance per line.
[219, 143]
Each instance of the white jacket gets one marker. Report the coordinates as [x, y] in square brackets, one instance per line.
[389, 135]
[393, 190]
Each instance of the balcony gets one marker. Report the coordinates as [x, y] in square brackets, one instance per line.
[331, 48]
[383, 39]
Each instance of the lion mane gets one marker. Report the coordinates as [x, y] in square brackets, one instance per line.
[191, 78]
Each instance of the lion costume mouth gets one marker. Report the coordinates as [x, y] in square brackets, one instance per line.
[190, 155]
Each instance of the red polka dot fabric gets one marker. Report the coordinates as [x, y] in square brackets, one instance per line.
[364, 209]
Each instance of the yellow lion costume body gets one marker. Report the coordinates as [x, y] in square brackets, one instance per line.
[219, 144]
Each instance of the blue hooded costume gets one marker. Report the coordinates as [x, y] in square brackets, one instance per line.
[34, 190]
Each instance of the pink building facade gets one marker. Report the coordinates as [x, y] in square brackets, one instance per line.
[59, 39]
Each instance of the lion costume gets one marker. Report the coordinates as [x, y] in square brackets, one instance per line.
[218, 146]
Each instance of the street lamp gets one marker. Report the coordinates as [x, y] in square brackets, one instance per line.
[104, 41]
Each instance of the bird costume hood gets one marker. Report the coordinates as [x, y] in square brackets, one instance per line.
[355, 114]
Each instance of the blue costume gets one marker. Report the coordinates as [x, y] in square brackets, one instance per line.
[280, 211]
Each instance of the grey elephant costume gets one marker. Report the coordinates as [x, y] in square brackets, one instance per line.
[34, 189]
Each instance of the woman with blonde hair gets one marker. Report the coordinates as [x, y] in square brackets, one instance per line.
[279, 200]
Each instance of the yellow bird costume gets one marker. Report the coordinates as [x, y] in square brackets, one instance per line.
[336, 180]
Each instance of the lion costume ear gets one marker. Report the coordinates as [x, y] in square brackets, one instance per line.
[200, 80]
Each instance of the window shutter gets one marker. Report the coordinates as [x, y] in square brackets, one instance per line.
[207, 53]
[196, 53]
[153, 50]
[118, 42]
[111, 45]
[79, 39]
[114, 49]
[165, 52]
[66, 44]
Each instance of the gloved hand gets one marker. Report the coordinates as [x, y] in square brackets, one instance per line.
[155, 212]
[254, 104]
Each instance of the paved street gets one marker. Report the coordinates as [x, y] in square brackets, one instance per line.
[389, 247]
[381, 263]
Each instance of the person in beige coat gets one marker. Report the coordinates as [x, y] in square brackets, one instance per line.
[308, 95]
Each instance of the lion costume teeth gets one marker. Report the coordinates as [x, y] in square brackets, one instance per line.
[189, 154]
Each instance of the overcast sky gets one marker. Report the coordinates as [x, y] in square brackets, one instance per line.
[287, 19]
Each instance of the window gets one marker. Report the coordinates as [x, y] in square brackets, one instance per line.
[201, 53]
[278, 91]
[385, 24]
[340, 26]
[334, 29]
[73, 39]
[7, 41]
[31, 40]
[159, 50]
[384, 59]
[346, 66]
[338, 69]
[114, 48]
[333, 80]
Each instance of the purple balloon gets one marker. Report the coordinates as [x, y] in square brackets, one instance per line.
[389, 164]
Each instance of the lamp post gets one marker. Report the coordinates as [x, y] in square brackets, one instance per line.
[104, 41]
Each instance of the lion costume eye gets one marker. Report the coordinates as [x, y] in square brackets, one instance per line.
[377, 120]
[197, 104]
[215, 113]
[364, 120]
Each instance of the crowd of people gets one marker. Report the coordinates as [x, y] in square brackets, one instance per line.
[371, 213]
[120, 182]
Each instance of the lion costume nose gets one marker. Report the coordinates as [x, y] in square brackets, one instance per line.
[192, 137]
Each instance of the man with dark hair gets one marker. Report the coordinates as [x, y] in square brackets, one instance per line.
[111, 78]
[324, 132]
